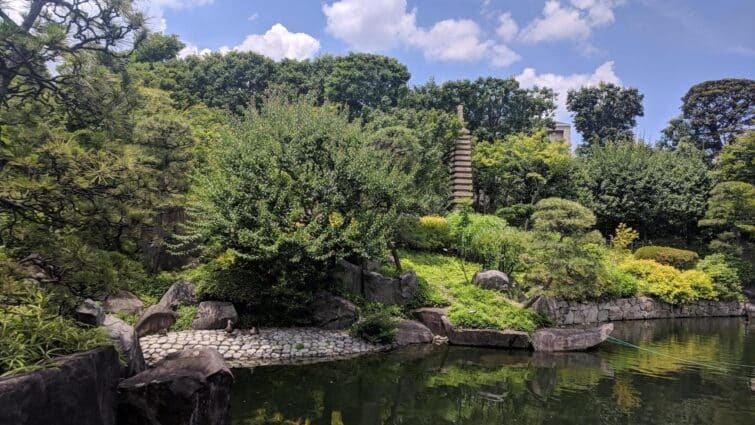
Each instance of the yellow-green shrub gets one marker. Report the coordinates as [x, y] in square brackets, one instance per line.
[679, 258]
[429, 233]
[669, 284]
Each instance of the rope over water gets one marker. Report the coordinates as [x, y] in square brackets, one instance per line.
[721, 365]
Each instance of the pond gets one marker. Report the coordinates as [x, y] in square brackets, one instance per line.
[688, 371]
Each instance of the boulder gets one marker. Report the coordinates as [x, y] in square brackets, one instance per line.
[191, 387]
[179, 293]
[492, 279]
[432, 318]
[389, 290]
[570, 339]
[80, 390]
[37, 269]
[348, 276]
[544, 306]
[412, 332]
[214, 315]
[331, 312]
[489, 338]
[750, 310]
[123, 302]
[90, 312]
[156, 318]
[126, 339]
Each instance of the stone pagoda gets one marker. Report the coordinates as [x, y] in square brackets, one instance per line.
[461, 164]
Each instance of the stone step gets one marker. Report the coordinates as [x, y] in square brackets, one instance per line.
[463, 170]
[462, 182]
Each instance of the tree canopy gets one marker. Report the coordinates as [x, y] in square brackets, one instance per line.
[605, 112]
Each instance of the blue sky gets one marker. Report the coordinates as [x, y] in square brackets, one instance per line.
[662, 47]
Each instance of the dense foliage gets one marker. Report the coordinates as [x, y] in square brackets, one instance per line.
[605, 112]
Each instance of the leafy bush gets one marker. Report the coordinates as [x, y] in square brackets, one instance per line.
[32, 332]
[669, 284]
[562, 216]
[428, 233]
[618, 283]
[623, 237]
[678, 258]
[516, 215]
[186, 315]
[377, 324]
[725, 279]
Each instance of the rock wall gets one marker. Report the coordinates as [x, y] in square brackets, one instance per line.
[81, 390]
[579, 312]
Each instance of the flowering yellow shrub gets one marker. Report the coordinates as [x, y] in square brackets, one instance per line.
[669, 284]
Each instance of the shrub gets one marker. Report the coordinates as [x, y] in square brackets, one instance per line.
[427, 233]
[484, 309]
[679, 258]
[618, 282]
[623, 237]
[32, 332]
[378, 323]
[562, 216]
[669, 284]
[724, 276]
[186, 315]
[516, 215]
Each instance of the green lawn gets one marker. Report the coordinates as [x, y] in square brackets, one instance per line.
[471, 307]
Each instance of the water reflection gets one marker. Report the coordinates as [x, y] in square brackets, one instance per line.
[690, 377]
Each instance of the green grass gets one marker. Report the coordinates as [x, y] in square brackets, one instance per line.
[471, 307]
[186, 315]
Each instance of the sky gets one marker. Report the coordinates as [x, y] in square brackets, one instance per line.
[661, 47]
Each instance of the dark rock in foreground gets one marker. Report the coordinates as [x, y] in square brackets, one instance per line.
[80, 390]
[156, 318]
[489, 338]
[126, 339]
[571, 339]
[179, 293]
[412, 332]
[191, 387]
[214, 315]
[123, 302]
[331, 312]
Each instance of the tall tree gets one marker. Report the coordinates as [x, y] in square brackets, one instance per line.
[47, 30]
[493, 107]
[719, 110]
[157, 47]
[361, 80]
[737, 160]
[605, 112]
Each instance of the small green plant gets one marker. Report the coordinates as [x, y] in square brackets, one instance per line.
[186, 314]
[378, 323]
[679, 258]
[32, 333]
[623, 237]
[299, 346]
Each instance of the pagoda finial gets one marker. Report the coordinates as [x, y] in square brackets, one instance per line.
[460, 112]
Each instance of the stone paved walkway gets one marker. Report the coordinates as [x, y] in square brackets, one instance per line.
[270, 346]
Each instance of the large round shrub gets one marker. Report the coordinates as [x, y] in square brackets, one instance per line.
[678, 258]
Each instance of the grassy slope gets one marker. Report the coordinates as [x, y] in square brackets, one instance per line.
[471, 307]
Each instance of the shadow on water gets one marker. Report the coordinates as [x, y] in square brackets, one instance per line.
[689, 371]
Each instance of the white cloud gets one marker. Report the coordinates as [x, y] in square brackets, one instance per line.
[370, 25]
[565, 22]
[279, 43]
[561, 84]
[192, 50]
[377, 25]
[507, 27]
[253, 17]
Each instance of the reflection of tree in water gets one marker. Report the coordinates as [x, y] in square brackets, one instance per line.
[429, 385]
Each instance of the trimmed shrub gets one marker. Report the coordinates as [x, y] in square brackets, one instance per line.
[701, 284]
[679, 258]
[724, 276]
[562, 216]
[516, 215]
[619, 283]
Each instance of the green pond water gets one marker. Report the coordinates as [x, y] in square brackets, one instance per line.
[690, 371]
